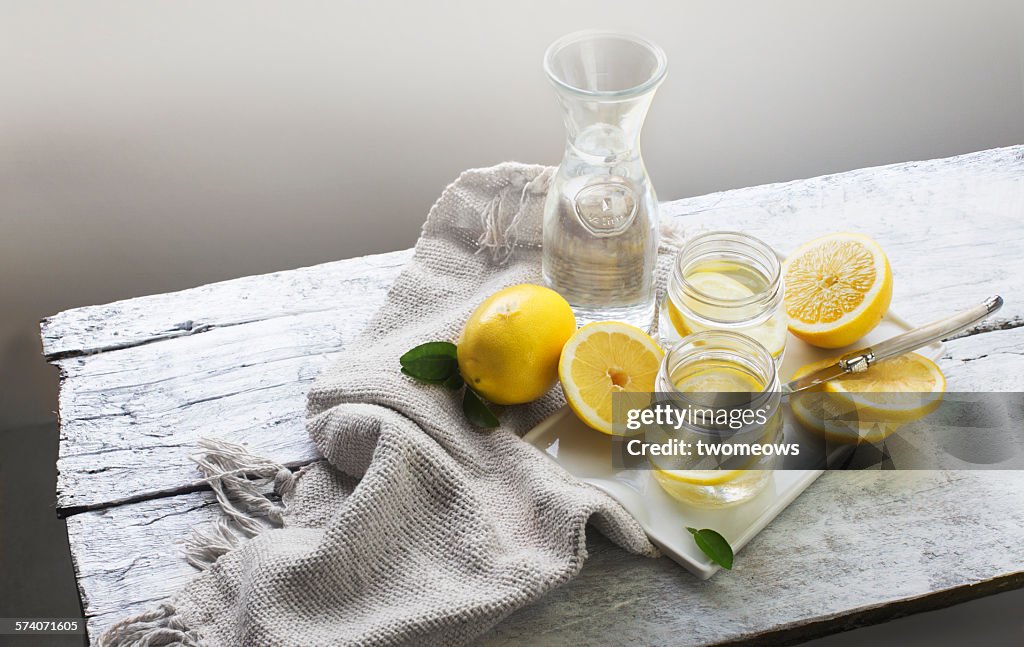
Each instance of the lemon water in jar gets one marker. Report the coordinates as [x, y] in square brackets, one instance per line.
[726, 280]
[736, 377]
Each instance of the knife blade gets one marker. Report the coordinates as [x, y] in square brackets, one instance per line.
[814, 378]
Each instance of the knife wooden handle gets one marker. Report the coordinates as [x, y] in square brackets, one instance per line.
[935, 331]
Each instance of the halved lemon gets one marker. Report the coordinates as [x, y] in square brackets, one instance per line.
[603, 358]
[771, 334]
[903, 389]
[837, 420]
[838, 287]
[869, 406]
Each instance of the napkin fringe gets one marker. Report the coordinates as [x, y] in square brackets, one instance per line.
[238, 480]
[161, 627]
[499, 233]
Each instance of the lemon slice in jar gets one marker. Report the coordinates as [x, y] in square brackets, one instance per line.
[771, 334]
[719, 379]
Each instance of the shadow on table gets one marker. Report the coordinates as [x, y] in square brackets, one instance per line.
[994, 621]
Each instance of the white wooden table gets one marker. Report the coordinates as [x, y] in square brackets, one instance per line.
[144, 379]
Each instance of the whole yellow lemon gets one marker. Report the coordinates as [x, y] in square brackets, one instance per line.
[511, 344]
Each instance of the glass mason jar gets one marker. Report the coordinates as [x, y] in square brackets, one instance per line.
[601, 214]
[735, 377]
[726, 280]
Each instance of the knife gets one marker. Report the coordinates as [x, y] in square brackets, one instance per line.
[863, 359]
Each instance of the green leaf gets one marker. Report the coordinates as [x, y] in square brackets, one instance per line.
[476, 411]
[421, 379]
[440, 348]
[714, 546]
[454, 381]
[432, 362]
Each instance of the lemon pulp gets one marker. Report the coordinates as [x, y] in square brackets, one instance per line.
[870, 406]
[838, 288]
[604, 358]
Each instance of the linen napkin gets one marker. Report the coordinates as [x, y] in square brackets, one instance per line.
[415, 527]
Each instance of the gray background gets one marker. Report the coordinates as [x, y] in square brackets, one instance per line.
[153, 146]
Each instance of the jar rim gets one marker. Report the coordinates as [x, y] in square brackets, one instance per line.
[770, 395]
[715, 340]
[757, 245]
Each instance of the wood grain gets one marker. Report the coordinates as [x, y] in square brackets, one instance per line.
[131, 415]
[144, 379]
[128, 558]
[133, 322]
[855, 541]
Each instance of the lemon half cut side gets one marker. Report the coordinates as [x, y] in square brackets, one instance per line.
[868, 407]
[604, 358]
[838, 288]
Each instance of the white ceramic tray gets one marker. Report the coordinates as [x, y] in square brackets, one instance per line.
[587, 454]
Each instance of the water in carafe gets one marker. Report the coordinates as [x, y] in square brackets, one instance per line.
[601, 215]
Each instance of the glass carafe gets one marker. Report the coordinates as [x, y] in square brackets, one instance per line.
[601, 214]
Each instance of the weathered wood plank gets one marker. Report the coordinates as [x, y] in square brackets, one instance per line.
[993, 361]
[855, 541]
[142, 320]
[130, 417]
[126, 557]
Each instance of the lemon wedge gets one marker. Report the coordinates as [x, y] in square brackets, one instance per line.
[667, 478]
[838, 288]
[603, 358]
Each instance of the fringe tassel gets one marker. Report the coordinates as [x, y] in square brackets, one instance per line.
[237, 479]
[500, 239]
[161, 627]
[206, 545]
